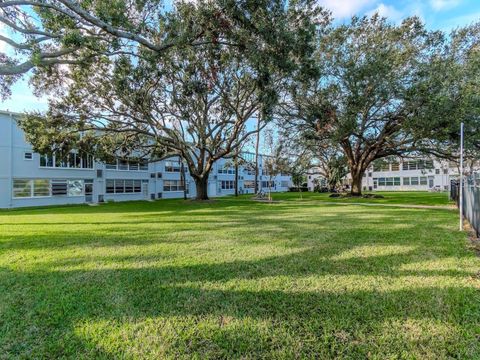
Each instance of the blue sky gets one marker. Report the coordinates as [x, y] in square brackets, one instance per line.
[437, 15]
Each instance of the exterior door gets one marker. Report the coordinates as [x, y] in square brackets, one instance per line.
[145, 190]
[430, 182]
[375, 183]
[88, 192]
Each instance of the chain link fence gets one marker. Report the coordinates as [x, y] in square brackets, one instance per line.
[471, 199]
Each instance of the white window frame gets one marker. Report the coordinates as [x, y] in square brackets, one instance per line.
[25, 155]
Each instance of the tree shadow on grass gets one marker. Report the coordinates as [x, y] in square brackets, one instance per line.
[42, 309]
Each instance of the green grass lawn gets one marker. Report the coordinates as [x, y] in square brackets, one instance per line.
[237, 279]
[393, 197]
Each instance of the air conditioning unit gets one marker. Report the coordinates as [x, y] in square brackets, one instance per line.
[99, 174]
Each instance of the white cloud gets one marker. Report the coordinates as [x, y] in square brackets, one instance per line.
[387, 11]
[345, 8]
[439, 5]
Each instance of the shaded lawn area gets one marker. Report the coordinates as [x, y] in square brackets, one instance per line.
[236, 278]
[390, 197]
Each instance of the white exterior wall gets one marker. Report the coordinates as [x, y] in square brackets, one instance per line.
[13, 165]
[439, 177]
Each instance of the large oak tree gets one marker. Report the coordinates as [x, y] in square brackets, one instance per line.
[193, 100]
[381, 90]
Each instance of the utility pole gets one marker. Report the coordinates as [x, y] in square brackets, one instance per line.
[257, 145]
[460, 193]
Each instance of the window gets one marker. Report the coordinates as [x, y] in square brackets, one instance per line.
[406, 181]
[268, 184]
[230, 171]
[123, 165]
[75, 187]
[172, 166]
[249, 184]
[228, 184]
[72, 160]
[126, 165]
[46, 161]
[41, 187]
[110, 186]
[137, 186]
[22, 188]
[59, 187]
[437, 171]
[389, 181]
[111, 166]
[173, 185]
[143, 166]
[381, 166]
[284, 184]
[445, 171]
[414, 180]
[423, 180]
[122, 186]
[119, 186]
[395, 166]
[133, 166]
[418, 165]
[129, 186]
[27, 155]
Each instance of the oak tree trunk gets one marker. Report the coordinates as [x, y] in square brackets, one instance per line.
[201, 184]
[357, 175]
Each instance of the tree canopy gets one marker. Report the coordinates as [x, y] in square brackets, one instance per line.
[384, 90]
[193, 99]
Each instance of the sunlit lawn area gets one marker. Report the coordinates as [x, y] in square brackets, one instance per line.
[238, 279]
[393, 197]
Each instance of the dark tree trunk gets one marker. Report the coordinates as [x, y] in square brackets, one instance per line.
[183, 179]
[357, 176]
[201, 184]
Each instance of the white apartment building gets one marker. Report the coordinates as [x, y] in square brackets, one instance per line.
[31, 179]
[402, 175]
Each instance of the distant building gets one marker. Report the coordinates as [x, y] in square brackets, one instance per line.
[402, 174]
[31, 179]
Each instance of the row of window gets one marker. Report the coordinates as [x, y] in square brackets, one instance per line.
[26, 188]
[173, 185]
[229, 171]
[71, 161]
[406, 165]
[123, 186]
[415, 180]
[126, 165]
[395, 181]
